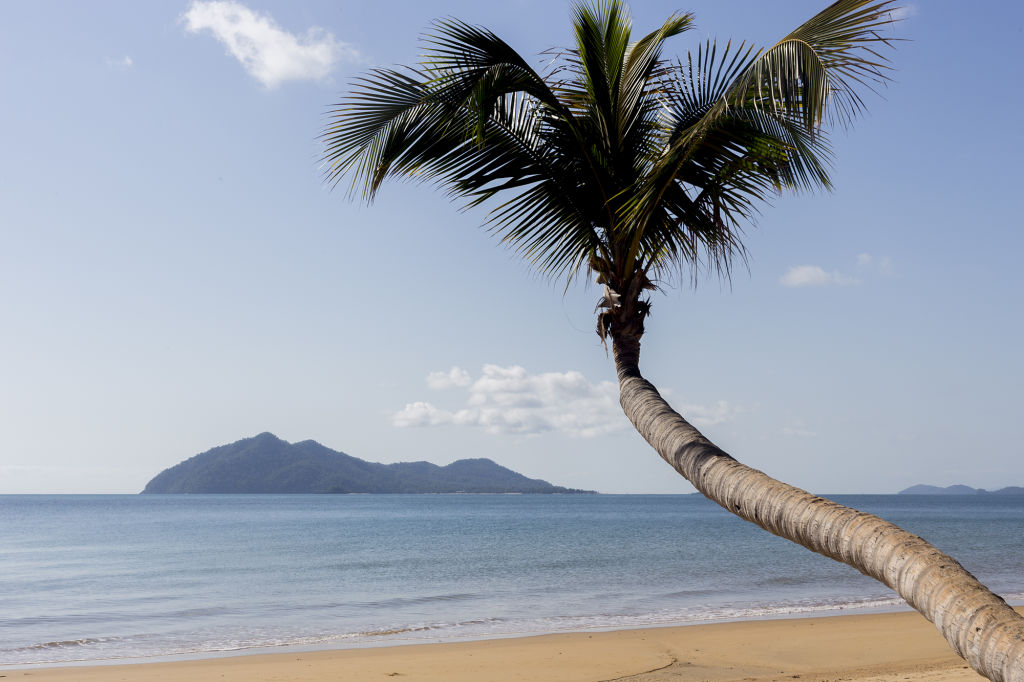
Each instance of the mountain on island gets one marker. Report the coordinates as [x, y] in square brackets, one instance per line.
[922, 489]
[267, 464]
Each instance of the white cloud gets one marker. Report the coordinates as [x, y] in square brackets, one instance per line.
[420, 414]
[814, 276]
[798, 432]
[703, 415]
[864, 260]
[456, 377]
[120, 63]
[269, 53]
[510, 400]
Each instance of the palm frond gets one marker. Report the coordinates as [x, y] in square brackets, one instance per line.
[616, 160]
[742, 126]
[819, 69]
[412, 123]
[474, 66]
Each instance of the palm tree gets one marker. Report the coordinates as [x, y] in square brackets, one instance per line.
[622, 165]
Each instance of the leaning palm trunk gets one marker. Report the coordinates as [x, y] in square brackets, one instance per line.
[978, 624]
[626, 166]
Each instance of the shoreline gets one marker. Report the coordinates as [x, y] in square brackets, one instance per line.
[395, 640]
[863, 647]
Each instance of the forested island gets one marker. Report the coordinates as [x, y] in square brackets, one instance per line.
[267, 464]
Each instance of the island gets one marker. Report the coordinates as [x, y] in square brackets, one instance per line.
[268, 464]
[921, 489]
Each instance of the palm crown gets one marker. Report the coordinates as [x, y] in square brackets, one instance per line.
[616, 161]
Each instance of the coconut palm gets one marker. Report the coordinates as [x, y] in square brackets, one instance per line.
[620, 164]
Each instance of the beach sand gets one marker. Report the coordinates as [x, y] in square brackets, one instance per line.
[875, 648]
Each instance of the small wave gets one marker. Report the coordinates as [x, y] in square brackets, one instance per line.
[426, 599]
[386, 632]
[796, 608]
[397, 631]
[696, 615]
[370, 564]
[107, 617]
[450, 628]
[787, 580]
[687, 593]
[64, 644]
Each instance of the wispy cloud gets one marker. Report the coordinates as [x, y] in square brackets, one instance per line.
[817, 276]
[904, 11]
[510, 400]
[120, 63]
[814, 276]
[268, 53]
[798, 431]
[880, 264]
[708, 415]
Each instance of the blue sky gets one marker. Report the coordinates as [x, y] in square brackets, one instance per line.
[174, 274]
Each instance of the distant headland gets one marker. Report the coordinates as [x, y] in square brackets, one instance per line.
[267, 464]
[921, 489]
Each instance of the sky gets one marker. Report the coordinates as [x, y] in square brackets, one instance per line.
[175, 275]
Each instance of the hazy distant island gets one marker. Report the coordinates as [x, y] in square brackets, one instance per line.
[921, 489]
[267, 464]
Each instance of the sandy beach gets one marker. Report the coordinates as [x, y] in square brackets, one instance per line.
[875, 648]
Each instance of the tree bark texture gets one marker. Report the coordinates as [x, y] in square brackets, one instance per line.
[978, 624]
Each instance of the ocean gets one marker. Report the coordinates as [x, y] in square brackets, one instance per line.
[127, 578]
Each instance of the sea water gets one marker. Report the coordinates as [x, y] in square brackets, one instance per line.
[138, 577]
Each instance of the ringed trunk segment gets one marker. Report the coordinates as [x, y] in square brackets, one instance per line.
[977, 624]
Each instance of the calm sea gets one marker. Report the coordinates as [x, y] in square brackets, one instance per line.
[89, 578]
